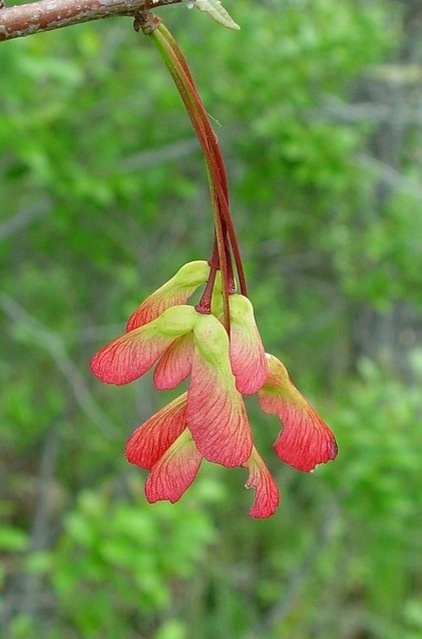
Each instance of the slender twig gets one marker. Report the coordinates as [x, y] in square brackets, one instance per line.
[45, 15]
[213, 154]
[223, 222]
[41, 532]
[180, 73]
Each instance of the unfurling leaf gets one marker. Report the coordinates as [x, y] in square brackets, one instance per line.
[215, 9]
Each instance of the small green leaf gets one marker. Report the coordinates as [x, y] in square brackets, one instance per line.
[215, 9]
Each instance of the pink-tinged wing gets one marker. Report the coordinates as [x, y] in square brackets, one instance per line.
[175, 364]
[215, 412]
[174, 292]
[247, 355]
[267, 496]
[153, 438]
[305, 440]
[172, 475]
[131, 355]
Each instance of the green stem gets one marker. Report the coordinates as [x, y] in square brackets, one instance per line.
[221, 183]
[193, 106]
[224, 226]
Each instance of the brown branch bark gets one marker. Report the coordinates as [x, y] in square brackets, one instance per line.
[45, 15]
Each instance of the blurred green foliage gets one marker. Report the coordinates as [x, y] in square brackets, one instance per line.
[103, 196]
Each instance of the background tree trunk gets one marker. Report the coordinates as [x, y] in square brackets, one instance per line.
[390, 335]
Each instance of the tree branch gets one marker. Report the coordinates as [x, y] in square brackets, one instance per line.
[45, 15]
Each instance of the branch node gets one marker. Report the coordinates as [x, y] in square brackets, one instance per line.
[146, 21]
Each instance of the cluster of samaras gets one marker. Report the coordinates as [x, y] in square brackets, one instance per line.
[209, 420]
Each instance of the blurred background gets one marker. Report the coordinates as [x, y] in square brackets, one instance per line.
[103, 195]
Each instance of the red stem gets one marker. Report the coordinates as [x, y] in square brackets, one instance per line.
[207, 140]
[204, 304]
[212, 152]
